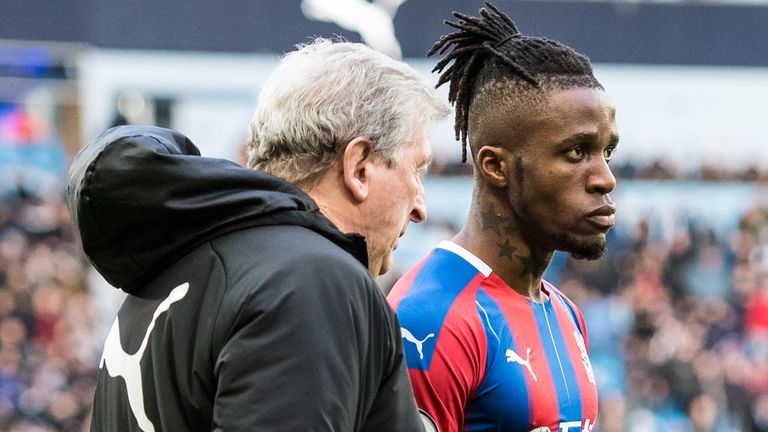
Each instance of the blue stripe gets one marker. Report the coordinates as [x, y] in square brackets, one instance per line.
[494, 325]
[423, 309]
[567, 305]
[563, 374]
[501, 401]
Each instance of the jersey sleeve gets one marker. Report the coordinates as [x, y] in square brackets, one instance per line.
[451, 363]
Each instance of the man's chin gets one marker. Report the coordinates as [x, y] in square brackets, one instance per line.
[584, 249]
[590, 256]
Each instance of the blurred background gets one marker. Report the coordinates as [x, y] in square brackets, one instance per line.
[677, 311]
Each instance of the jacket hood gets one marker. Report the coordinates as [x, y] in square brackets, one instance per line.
[141, 197]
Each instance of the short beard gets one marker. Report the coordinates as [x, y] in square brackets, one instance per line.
[582, 250]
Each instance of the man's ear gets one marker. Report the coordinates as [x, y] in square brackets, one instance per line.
[493, 164]
[356, 166]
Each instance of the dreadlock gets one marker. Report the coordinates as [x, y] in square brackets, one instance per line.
[491, 48]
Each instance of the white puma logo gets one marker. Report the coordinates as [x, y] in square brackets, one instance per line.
[120, 363]
[372, 20]
[407, 335]
[514, 357]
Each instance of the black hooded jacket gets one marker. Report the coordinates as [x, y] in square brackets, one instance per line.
[247, 309]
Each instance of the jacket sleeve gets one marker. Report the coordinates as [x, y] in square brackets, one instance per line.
[394, 406]
[305, 351]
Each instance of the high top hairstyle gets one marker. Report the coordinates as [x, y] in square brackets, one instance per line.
[490, 49]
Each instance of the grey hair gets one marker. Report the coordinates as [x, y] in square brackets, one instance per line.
[325, 94]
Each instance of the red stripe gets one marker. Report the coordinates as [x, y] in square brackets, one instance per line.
[520, 318]
[403, 285]
[587, 390]
[428, 398]
[579, 316]
[458, 363]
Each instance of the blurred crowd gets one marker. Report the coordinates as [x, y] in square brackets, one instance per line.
[678, 327]
[48, 352]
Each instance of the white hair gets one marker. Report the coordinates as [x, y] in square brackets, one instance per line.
[325, 94]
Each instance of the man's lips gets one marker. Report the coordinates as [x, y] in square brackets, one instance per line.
[603, 216]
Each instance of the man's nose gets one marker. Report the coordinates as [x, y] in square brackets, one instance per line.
[419, 211]
[601, 179]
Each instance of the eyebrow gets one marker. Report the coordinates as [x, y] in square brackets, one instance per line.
[614, 140]
[588, 136]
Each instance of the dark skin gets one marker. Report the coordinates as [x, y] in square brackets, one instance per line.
[542, 185]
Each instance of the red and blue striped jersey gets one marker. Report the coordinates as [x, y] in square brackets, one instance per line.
[482, 357]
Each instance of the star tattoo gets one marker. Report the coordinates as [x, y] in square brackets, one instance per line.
[531, 264]
[528, 265]
[493, 221]
[506, 249]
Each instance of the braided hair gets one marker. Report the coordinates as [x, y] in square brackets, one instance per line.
[490, 48]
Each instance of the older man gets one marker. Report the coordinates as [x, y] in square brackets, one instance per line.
[252, 303]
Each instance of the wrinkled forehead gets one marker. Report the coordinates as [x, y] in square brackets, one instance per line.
[421, 147]
[416, 149]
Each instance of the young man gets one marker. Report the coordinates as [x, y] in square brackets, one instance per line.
[252, 303]
[490, 345]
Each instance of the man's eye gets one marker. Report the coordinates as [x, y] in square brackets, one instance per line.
[576, 153]
[607, 153]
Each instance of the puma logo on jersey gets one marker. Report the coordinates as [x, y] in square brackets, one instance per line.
[584, 357]
[120, 363]
[514, 357]
[407, 335]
